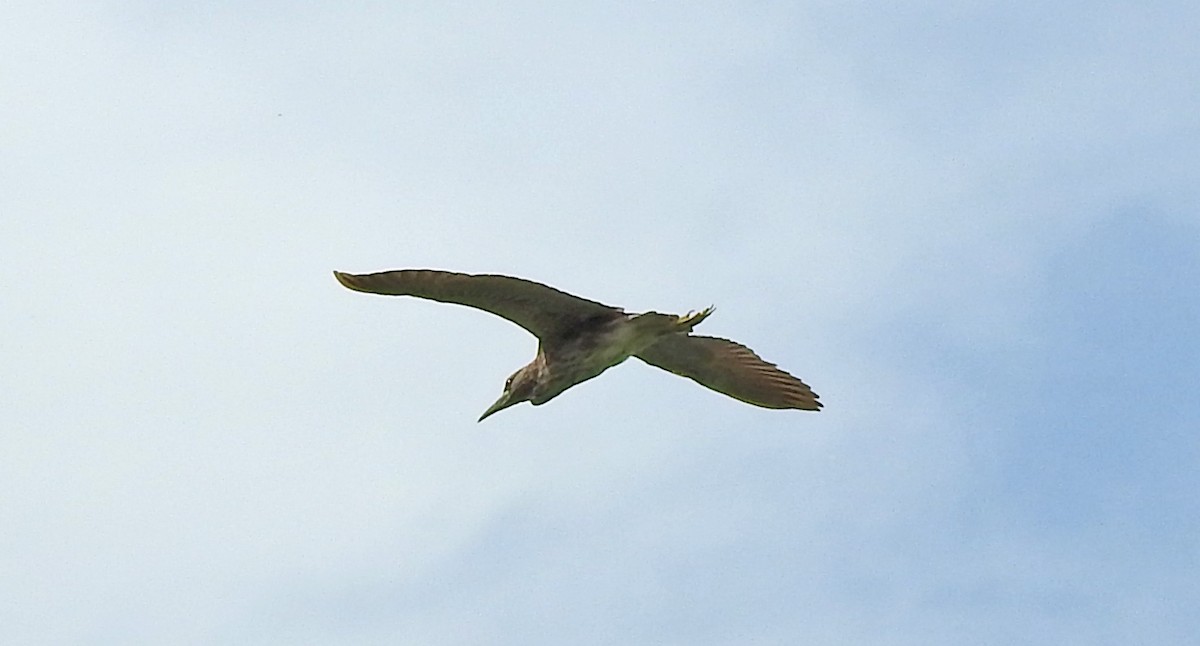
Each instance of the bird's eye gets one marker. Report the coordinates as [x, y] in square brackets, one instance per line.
[508, 383]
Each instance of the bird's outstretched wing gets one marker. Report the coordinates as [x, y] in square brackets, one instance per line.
[544, 311]
[730, 368]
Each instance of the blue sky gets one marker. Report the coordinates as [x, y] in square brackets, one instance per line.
[972, 228]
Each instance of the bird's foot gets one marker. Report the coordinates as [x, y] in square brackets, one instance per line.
[692, 319]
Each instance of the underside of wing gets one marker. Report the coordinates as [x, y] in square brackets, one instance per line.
[544, 311]
[732, 369]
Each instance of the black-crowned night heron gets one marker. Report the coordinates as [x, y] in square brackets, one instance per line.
[579, 339]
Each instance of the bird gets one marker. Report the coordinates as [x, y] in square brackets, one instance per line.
[579, 338]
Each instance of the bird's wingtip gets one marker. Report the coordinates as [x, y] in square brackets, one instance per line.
[342, 278]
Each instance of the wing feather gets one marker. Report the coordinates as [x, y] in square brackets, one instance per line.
[732, 369]
[544, 311]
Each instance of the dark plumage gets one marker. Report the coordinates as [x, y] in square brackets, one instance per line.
[579, 339]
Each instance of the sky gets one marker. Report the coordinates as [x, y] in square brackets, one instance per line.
[972, 227]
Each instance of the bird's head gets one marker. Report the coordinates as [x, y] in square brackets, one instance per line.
[517, 389]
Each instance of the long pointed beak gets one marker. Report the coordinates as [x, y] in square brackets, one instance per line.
[501, 404]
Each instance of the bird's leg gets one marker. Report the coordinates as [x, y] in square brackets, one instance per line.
[686, 323]
[655, 323]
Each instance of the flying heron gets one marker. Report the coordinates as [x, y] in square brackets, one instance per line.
[578, 339]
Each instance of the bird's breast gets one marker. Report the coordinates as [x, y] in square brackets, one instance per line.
[587, 355]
